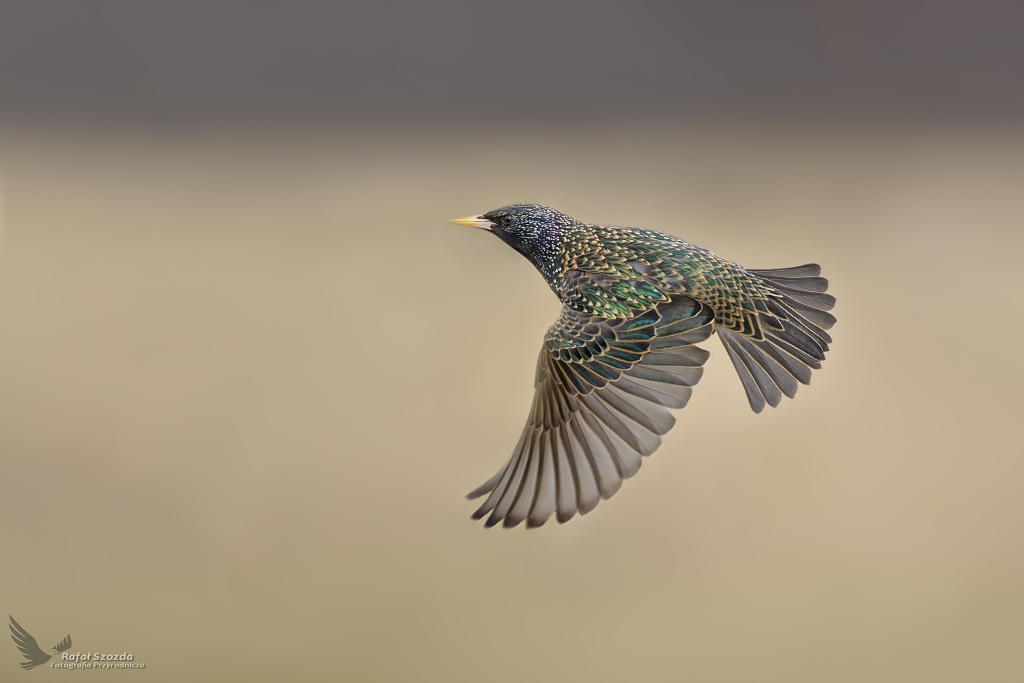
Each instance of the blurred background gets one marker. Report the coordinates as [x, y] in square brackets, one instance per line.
[247, 372]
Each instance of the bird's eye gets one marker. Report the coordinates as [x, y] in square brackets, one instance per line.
[506, 220]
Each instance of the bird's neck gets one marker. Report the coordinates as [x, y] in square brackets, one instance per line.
[544, 253]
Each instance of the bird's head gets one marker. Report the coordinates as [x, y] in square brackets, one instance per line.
[531, 229]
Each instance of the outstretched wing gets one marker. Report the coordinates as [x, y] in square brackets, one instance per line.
[64, 644]
[28, 646]
[603, 390]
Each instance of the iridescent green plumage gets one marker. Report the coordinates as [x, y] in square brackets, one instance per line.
[622, 351]
[644, 267]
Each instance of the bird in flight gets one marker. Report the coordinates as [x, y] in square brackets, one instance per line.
[622, 351]
[30, 648]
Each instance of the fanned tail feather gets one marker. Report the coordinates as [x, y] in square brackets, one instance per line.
[795, 340]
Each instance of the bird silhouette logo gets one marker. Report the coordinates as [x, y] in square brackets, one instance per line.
[30, 648]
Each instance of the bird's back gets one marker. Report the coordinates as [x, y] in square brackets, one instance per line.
[637, 268]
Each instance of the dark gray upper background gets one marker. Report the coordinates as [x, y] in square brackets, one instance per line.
[201, 61]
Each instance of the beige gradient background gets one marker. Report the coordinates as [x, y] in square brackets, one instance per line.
[246, 379]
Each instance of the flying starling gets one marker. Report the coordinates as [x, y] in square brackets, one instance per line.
[622, 351]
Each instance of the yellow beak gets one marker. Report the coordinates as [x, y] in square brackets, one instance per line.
[473, 222]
